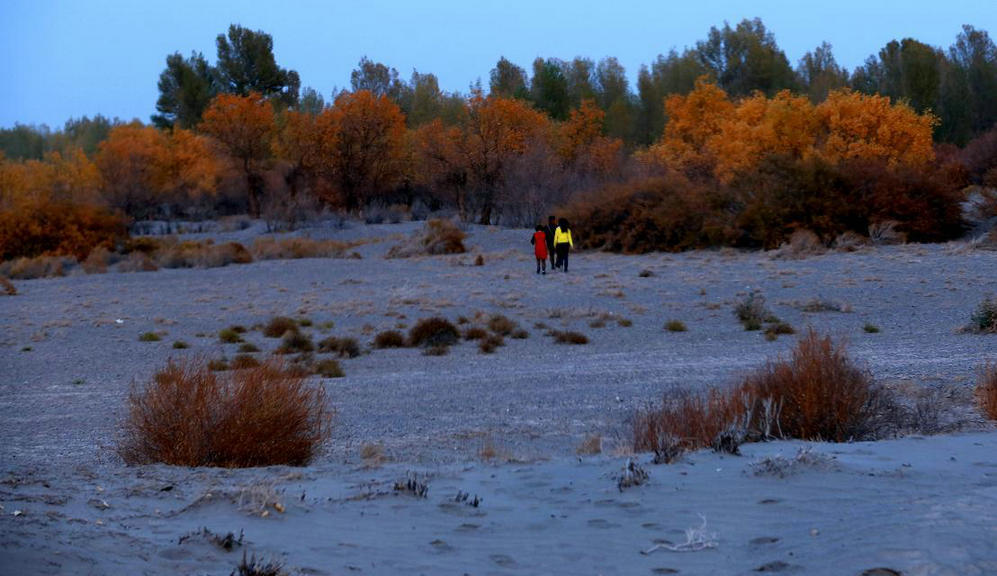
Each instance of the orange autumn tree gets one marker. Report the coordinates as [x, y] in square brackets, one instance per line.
[366, 137]
[190, 169]
[130, 161]
[439, 163]
[581, 143]
[496, 130]
[244, 126]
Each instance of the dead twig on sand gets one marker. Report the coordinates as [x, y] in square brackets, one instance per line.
[696, 539]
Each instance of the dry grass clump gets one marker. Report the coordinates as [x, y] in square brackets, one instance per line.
[272, 248]
[149, 337]
[345, 347]
[188, 416]
[519, 334]
[751, 311]
[207, 254]
[328, 368]
[569, 337]
[137, 262]
[490, 343]
[870, 328]
[984, 318]
[278, 326]
[97, 261]
[443, 237]
[230, 336]
[294, 342]
[180, 345]
[218, 365]
[434, 331]
[248, 348]
[37, 267]
[389, 339]
[773, 331]
[802, 243]
[479, 260]
[817, 394]
[675, 326]
[439, 350]
[819, 304]
[475, 333]
[502, 325]
[7, 286]
[590, 446]
[986, 391]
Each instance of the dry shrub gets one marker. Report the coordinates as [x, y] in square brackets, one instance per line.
[328, 368]
[502, 325]
[207, 254]
[986, 391]
[261, 416]
[230, 336]
[149, 337]
[984, 318]
[822, 394]
[569, 337]
[137, 262]
[8, 286]
[389, 339]
[434, 331]
[278, 326]
[817, 394]
[37, 267]
[590, 446]
[490, 343]
[751, 311]
[479, 260]
[345, 347]
[675, 326]
[436, 351]
[272, 248]
[849, 242]
[97, 261]
[443, 237]
[885, 232]
[294, 342]
[243, 361]
[475, 333]
[802, 243]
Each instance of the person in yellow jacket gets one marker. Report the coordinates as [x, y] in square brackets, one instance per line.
[562, 244]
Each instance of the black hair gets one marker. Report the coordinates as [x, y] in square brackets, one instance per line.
[550, 218]
[539, 228]
[563, 225]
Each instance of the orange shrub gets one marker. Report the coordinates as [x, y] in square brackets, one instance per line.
[33, 228]
[258, 416]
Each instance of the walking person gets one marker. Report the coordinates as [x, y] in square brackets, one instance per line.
[549, 232]
[562, 243]
[539, 241]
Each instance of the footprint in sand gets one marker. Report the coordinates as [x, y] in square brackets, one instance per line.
[778, 567]
[763, 540]
[600, 523]
[770, 501]
[503, 560]
[881, 572]
[664, 571]
[440, 546]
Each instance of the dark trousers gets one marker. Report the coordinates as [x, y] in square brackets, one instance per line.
[550, 252]
[562, 255]
[541, 265]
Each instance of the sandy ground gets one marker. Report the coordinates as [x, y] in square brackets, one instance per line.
[69, 351]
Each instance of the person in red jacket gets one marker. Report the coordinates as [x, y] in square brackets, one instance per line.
[539, 241]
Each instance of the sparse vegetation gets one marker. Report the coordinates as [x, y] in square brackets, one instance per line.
[218, 365]
[870, 328]
[751, 311]
[490, 343]
[569, 337]
[229, 336]
[984, 318]
[475, 333]
[675, 326]
[329, 368]
[294, 342]
[243, 361]
[180, 345]
[7, 286]
[590, 446]
[389, 339]
[773, 331]
[149, 337]
[501, 325]
[438, 350]
[254, 567]
[986, 390]
[344, 347]
[248, 348]
[444, 237]
[188, 416]
[519, 334]
[278, 326]
[434, 331]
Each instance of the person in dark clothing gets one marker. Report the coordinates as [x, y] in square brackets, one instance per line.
[562, 243]
[549, 232]
[539, 241]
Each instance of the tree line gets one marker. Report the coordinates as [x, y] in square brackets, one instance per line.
[723, 118]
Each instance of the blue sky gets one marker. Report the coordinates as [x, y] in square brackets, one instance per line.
[63, 59]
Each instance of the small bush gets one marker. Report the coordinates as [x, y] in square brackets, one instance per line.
[645, 273]
[248, 348]
[443, 237]
[569, 337]
[137, 262]
[180, 345]
[751, 311]
[345, 347]
[7, 286]
[243, 361]
[984, 319]
[294, 342]
[305, 322]
[625, 322]
[194, 254]
[188, 416]
[479, 260]
[328, 368]
[278, 326]
[501, 325]
[97, 261]
[675, 326]
[436, 351]
[519, 334]
[229, 336]
[490, 343]
[37, 267]
[772, 331]
[986, 391]
[149, 337]
[435, 331]
[870, 328]
[819, 304]
[254, 567]
[475, 333]
[292, 248]
[218, 365]
[802, 243]
[389, 339]
[590, 446]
